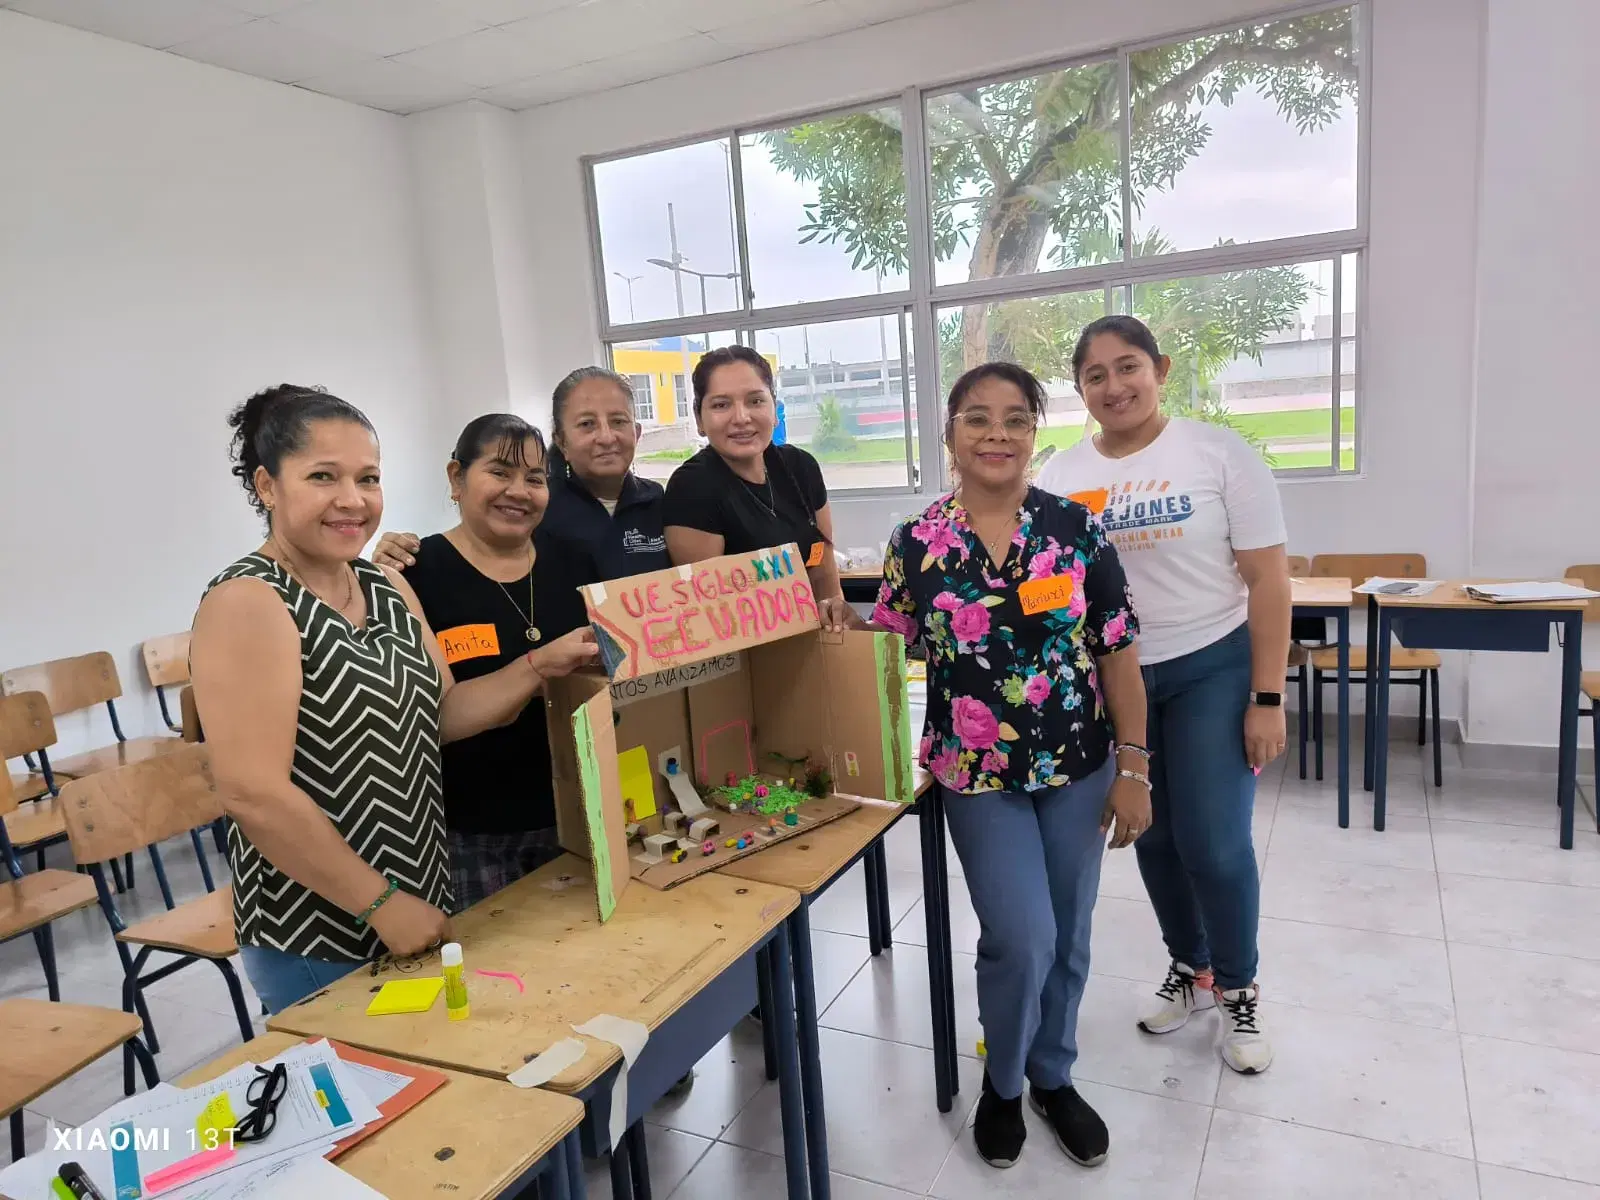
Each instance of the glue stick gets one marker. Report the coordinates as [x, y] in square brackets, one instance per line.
[455, 984]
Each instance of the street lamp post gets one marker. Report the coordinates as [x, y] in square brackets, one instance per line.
[675, 265]
[630, 280]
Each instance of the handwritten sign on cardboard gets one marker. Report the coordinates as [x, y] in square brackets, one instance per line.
[669, 619]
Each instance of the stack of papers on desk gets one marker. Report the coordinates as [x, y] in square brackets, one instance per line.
[327, 1100]
[1527, 593]
[1379, 585]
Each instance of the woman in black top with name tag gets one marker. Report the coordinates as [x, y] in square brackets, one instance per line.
[741, 492]
[493, 589]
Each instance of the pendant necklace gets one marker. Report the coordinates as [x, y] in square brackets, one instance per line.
[293, 570]
[533, 630]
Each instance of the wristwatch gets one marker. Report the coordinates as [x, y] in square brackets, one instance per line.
[1267, 699]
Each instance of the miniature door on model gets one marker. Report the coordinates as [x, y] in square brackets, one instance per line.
[727, 721]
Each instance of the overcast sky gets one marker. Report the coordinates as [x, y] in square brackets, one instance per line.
[1257, 178]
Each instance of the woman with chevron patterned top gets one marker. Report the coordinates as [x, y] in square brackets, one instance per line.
[325, 698]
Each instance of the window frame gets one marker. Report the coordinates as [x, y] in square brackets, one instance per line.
[917, 305]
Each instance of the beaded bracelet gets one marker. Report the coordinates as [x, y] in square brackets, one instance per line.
[378, 903]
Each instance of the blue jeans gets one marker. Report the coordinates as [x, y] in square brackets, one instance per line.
[1032, 863]
[283, 979]
[1197, 858]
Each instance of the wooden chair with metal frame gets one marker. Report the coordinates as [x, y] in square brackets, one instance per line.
[1359, 568]
[28, 903]
[48, 1042]
[72, 685]
[1303, 634]
[1589, 681]
[166, 661]
[137, 807]
[26, 730]
[192, 732]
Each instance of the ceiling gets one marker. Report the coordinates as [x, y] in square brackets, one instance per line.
[405, 56]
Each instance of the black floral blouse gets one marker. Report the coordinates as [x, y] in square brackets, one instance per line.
[1014, 699]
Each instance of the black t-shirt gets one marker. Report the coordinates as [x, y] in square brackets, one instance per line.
[705, 494]
[498, 781]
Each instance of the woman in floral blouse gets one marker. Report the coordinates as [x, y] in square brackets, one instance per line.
[1033, 681]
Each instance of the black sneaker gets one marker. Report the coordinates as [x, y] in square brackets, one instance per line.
[1078, 1127]
[998, 1128]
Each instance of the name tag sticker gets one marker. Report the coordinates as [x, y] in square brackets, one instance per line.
[1094, 501]
[814, 559]
[468, 641]
[1045, 595]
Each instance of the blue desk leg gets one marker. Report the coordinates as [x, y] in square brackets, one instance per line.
[1571, 629]
[943, 1032]
[572, 1151]
[556, 1182]
[638, 1160]
[1380, 723]
[885, 922]
[764, 1002]
[869, 867]
[805, 1006]
[1369, 743]
[790, 1099]
[621, 1180]
[1343, 622]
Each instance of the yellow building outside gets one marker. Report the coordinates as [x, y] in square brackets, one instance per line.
[660, 374]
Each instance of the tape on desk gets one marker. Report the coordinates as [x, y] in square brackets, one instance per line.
[628, 1037]
[542, 1068]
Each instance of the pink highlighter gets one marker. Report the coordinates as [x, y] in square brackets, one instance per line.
[187, 1170]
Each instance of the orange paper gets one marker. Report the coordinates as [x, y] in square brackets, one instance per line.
[1094, 500]
[424, 1083]
[468, 641]
[814, 559]
[1045, 595]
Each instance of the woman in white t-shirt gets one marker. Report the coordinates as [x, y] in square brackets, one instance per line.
[1194, 513]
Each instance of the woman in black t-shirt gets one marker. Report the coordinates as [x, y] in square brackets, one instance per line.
[494, 590]
[741, 492]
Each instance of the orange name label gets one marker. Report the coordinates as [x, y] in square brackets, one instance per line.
[814, 559]
[468, 641]
[1044, 595]
[1094, 500]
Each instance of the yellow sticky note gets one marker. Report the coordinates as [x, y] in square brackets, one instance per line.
[405, 996]
[322, 1098]
[215, 1119]
[638, 791]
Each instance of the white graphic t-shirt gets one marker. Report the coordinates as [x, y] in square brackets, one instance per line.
[1177, 510]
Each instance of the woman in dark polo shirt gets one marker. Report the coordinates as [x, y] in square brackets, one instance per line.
[742, 492]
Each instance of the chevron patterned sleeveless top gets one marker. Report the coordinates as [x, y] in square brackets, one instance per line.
[366, 750]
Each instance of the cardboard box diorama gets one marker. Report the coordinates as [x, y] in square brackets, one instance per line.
[727, 720]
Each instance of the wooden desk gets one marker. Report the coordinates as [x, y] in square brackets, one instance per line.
[809, 865]
[666, 958]
[1324, 599]
[861, 587]
[1448, 619]
[500, 1137]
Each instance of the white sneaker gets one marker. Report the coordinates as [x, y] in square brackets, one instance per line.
[1183, 993]
[1244, 1042]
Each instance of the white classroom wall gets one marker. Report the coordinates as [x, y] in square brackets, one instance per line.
[1537, 414]
[174, 237]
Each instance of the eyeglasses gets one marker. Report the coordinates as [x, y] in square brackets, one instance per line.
[265, 1093]
[1015, 424]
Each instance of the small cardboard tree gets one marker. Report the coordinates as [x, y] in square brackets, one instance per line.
[716, 672]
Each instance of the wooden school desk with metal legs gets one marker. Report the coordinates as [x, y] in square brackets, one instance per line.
[810, 865]
[1448, 619]
[682, 962]
[473, 1139]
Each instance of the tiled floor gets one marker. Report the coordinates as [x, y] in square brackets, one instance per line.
[1433, 993]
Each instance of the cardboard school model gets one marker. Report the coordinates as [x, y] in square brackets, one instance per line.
[719, 674]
